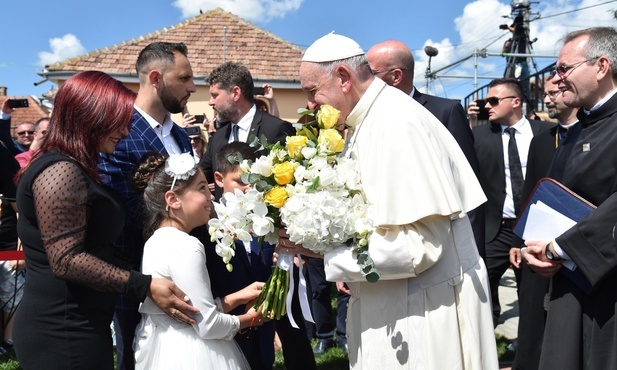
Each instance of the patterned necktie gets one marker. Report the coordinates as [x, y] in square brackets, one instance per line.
[516, 170]
[234, 132]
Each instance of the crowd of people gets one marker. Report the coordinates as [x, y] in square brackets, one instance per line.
[108, 198]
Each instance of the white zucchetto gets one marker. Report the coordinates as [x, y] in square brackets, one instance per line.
[330, 48]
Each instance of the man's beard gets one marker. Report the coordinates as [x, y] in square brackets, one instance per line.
[552, 113]
[227, 114]
[170, 102]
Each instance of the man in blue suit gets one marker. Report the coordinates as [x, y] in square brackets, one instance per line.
[165, 85]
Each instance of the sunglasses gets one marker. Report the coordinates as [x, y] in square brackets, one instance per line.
[22, 133]
[195, 139]
[494, 101]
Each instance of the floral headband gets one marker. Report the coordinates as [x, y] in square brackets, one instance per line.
[180, 166]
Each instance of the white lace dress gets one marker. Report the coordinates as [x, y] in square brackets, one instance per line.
[164, 343]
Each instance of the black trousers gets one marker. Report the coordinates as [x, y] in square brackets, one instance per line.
[297, 349]
[321, 307]
[497, 262]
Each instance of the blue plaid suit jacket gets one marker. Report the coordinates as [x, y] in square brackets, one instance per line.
[117, 171]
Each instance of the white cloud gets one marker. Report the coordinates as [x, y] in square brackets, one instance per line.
[262, 10]
[478, 26]
[67, 46]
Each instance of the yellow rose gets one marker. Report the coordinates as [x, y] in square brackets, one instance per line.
[328, 116]
[332, 140]
[284, 172]
[276, 197]
[295, 144]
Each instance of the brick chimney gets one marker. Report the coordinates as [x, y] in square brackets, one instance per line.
[2, 90]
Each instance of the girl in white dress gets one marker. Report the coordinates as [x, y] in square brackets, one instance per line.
[177, 200]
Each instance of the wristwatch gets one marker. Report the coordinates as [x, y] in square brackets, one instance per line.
[553, 257]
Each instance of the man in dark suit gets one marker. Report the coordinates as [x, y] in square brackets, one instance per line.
[533, 287]
[502, 175]
[231, 95]
[165, 85]
[393, 62]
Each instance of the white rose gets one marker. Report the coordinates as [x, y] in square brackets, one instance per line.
[308, 152]
[262, 166]
[327, 176]
[245, 166]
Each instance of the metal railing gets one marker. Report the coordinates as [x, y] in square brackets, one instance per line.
[533, 84]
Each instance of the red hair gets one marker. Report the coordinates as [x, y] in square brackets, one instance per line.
[88, 108]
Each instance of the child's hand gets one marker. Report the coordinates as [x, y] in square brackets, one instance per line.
[251, 292]
[257, 318]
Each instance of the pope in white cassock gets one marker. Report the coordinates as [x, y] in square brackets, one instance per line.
[431, 307]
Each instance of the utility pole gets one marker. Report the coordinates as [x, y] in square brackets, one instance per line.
[517, 66]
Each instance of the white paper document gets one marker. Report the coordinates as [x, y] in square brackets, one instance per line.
[544, 223]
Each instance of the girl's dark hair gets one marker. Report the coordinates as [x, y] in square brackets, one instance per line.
[151, 179]
[88, 108]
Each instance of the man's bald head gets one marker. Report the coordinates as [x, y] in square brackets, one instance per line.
[393, 62]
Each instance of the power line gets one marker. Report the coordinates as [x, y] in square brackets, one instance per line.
[575, 10]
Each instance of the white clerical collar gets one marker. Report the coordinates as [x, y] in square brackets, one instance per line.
[361, 109]
[164, 128]
[567, 127]
[600, 103]
[413, 90]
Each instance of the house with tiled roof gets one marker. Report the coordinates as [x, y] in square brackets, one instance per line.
[32, 113]
[212, 38]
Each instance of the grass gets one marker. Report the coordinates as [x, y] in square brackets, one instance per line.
[333, 359]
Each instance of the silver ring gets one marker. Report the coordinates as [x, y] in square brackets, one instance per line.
[174, 312]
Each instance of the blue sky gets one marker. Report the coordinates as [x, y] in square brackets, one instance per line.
[37, 32]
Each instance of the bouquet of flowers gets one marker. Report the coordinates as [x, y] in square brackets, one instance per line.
[306, 187]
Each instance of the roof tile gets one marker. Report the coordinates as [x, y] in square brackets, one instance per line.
[266, 55]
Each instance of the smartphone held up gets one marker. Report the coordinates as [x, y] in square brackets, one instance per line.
[18, 103]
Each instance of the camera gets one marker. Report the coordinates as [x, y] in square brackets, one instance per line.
[193, 130]
[258, 91]
[483, 113]
[18, 103]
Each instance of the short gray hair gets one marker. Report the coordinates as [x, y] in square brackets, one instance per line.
[602, 42]
[358, 63]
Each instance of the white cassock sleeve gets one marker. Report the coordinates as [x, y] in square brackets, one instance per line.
[399, 252]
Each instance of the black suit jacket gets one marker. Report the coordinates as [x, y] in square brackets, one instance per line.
[451, 114]
[489, 149]
[273, 128]
[532, 286]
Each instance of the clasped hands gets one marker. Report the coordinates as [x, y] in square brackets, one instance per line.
[534, 254]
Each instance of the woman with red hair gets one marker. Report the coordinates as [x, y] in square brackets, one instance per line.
[67, 224]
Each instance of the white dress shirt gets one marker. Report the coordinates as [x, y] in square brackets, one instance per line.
[523, 136]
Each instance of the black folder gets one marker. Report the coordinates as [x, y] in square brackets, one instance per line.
[564, 201]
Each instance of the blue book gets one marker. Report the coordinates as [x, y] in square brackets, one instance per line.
[564, 201]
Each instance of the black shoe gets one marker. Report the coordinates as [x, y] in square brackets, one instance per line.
[321, 346]
[343, 346]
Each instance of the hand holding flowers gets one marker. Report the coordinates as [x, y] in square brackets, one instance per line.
[306, 186]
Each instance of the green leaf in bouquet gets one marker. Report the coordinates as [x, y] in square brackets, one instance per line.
[263, 185]
[235, 158]
[314, 186]
[306, 112]
[372, 276]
